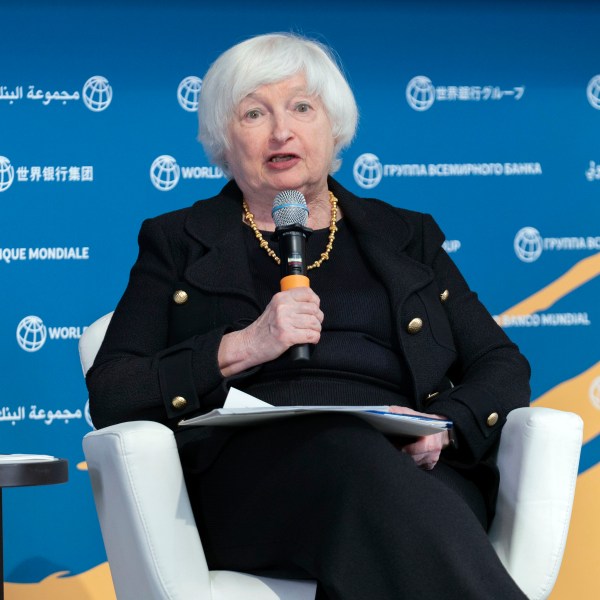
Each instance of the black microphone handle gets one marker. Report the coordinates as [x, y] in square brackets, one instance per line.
[300, 352]
[292, 249]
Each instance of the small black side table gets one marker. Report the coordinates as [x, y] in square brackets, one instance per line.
[27, 472]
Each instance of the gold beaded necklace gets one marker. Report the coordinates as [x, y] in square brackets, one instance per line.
[249, 218]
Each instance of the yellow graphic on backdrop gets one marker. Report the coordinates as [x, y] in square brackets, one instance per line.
[574, 395]
[95, 584]
[578, 576]
[582, 272]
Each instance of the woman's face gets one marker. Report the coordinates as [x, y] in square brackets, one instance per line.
[280, 139]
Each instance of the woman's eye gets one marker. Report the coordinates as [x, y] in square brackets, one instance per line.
[303, 107]
[253, 114]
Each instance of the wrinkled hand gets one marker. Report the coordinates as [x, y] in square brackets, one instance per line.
[426, 450]
[292, 317]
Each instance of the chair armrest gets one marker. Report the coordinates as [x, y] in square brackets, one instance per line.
[538, 460]
[148, 527]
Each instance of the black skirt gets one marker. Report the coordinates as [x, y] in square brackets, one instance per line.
[328, 497]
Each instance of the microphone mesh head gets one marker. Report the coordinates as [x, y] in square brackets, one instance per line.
[289, 208]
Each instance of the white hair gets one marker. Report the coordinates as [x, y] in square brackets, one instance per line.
[267, 59]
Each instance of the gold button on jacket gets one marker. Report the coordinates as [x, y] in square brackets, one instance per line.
[180, 297]
[179, 402]
[492, 419]
[444, 295]
[415, 326]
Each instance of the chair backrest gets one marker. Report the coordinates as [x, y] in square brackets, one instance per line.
[91, 340]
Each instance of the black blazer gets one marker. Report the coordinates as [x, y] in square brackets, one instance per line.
[156, 349]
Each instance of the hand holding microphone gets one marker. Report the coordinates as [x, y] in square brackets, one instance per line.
[290, 215]
[289, 318]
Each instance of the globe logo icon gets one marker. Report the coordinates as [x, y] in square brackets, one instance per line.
[7, 173]
[188, 93]
[164, 173]
[31, 334]
[420, 93]
[528, 244]
[367, 171]
[593, 92]
[88, 416]
[97, 93]
[595, 393]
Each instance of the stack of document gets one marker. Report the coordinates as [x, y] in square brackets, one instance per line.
[11, 458]
[243, 409]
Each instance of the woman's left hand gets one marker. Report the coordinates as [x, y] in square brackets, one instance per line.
[426, 450]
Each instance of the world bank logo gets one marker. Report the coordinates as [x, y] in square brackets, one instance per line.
[420, 93]
[528, 244]
[87, 414]
[595, 393]
[7, 173]
[164, 173]
[367, 171]
[97, 93]
[593, 92]
[188, 93]
[31, 334]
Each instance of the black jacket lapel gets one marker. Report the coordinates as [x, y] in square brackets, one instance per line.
[222, 267]
[384, 236]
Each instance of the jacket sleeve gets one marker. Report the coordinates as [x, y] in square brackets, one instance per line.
[136, 374]
[490, 377]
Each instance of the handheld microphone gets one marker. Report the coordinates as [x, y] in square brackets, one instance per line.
[290, 215]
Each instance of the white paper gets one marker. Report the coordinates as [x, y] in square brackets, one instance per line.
[243, 409]
[8, 458]
[238, 399]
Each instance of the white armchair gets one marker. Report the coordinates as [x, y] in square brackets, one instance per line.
[155, 552]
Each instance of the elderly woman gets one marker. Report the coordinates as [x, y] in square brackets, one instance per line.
[391, 322]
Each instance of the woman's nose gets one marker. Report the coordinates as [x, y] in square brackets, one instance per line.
[281, 130]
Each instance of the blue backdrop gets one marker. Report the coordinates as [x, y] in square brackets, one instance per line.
[485, 115]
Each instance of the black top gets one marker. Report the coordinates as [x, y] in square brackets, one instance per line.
[357, 360]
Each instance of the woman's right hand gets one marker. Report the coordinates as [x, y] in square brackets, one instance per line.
[292, 317]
